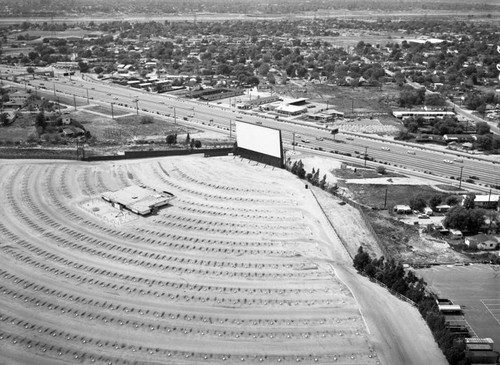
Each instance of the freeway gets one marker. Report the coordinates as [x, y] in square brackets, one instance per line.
[414, 157]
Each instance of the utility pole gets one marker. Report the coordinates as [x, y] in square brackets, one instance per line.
[293, 141]
[88, 96]
[112, 114]
[366, 151]
[74, 100]
[460, 179]
[54, 89]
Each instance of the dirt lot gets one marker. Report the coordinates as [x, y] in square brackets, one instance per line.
[242, 266]
[399, 236]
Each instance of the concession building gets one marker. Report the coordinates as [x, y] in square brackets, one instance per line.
[138, 199]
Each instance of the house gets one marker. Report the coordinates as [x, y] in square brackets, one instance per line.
[458, 138]
[490, 201]
[482, 242]
[19, 96]
[402, 209]
[291, 109]
[13, 104]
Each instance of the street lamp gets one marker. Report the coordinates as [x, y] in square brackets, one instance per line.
[136, 101]
[460, 179]
[175, 116]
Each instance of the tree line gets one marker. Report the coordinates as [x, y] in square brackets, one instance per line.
[297, 168]
[405, 282]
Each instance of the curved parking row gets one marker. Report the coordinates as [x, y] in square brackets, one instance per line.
[215, 276]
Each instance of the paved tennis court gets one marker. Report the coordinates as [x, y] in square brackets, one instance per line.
[476, 288]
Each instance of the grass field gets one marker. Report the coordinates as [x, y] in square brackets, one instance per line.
[374, 195]
[106, 110]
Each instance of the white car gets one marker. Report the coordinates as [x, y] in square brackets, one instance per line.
[386, 148]
[448, 161]
[410, 152]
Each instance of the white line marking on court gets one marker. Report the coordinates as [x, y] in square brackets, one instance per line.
[489, 310]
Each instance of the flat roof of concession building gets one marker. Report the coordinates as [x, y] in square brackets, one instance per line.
[138, 199]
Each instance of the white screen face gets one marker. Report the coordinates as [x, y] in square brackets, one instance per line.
[260, 139]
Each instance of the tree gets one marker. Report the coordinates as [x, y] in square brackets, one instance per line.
[381, 170]
[472, 101]
[40, 121]
[4, 119]
[468, 202]
[315, 178]
[299, 169]
[484, 142]
[361, 260]
[188, 139]
[31, 71]
[417, 203]
[83, 66]
[434, 99]
[171, 139]
[482, 128]
[452, 200]
[322, 183]
[146, 119]
[435, 201]
[197, 144]
[464, 219]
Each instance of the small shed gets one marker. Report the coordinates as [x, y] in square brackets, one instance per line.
[402, 209]
[68, 132]
[456, 234]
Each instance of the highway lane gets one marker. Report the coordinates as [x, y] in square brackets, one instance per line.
[203, 114]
